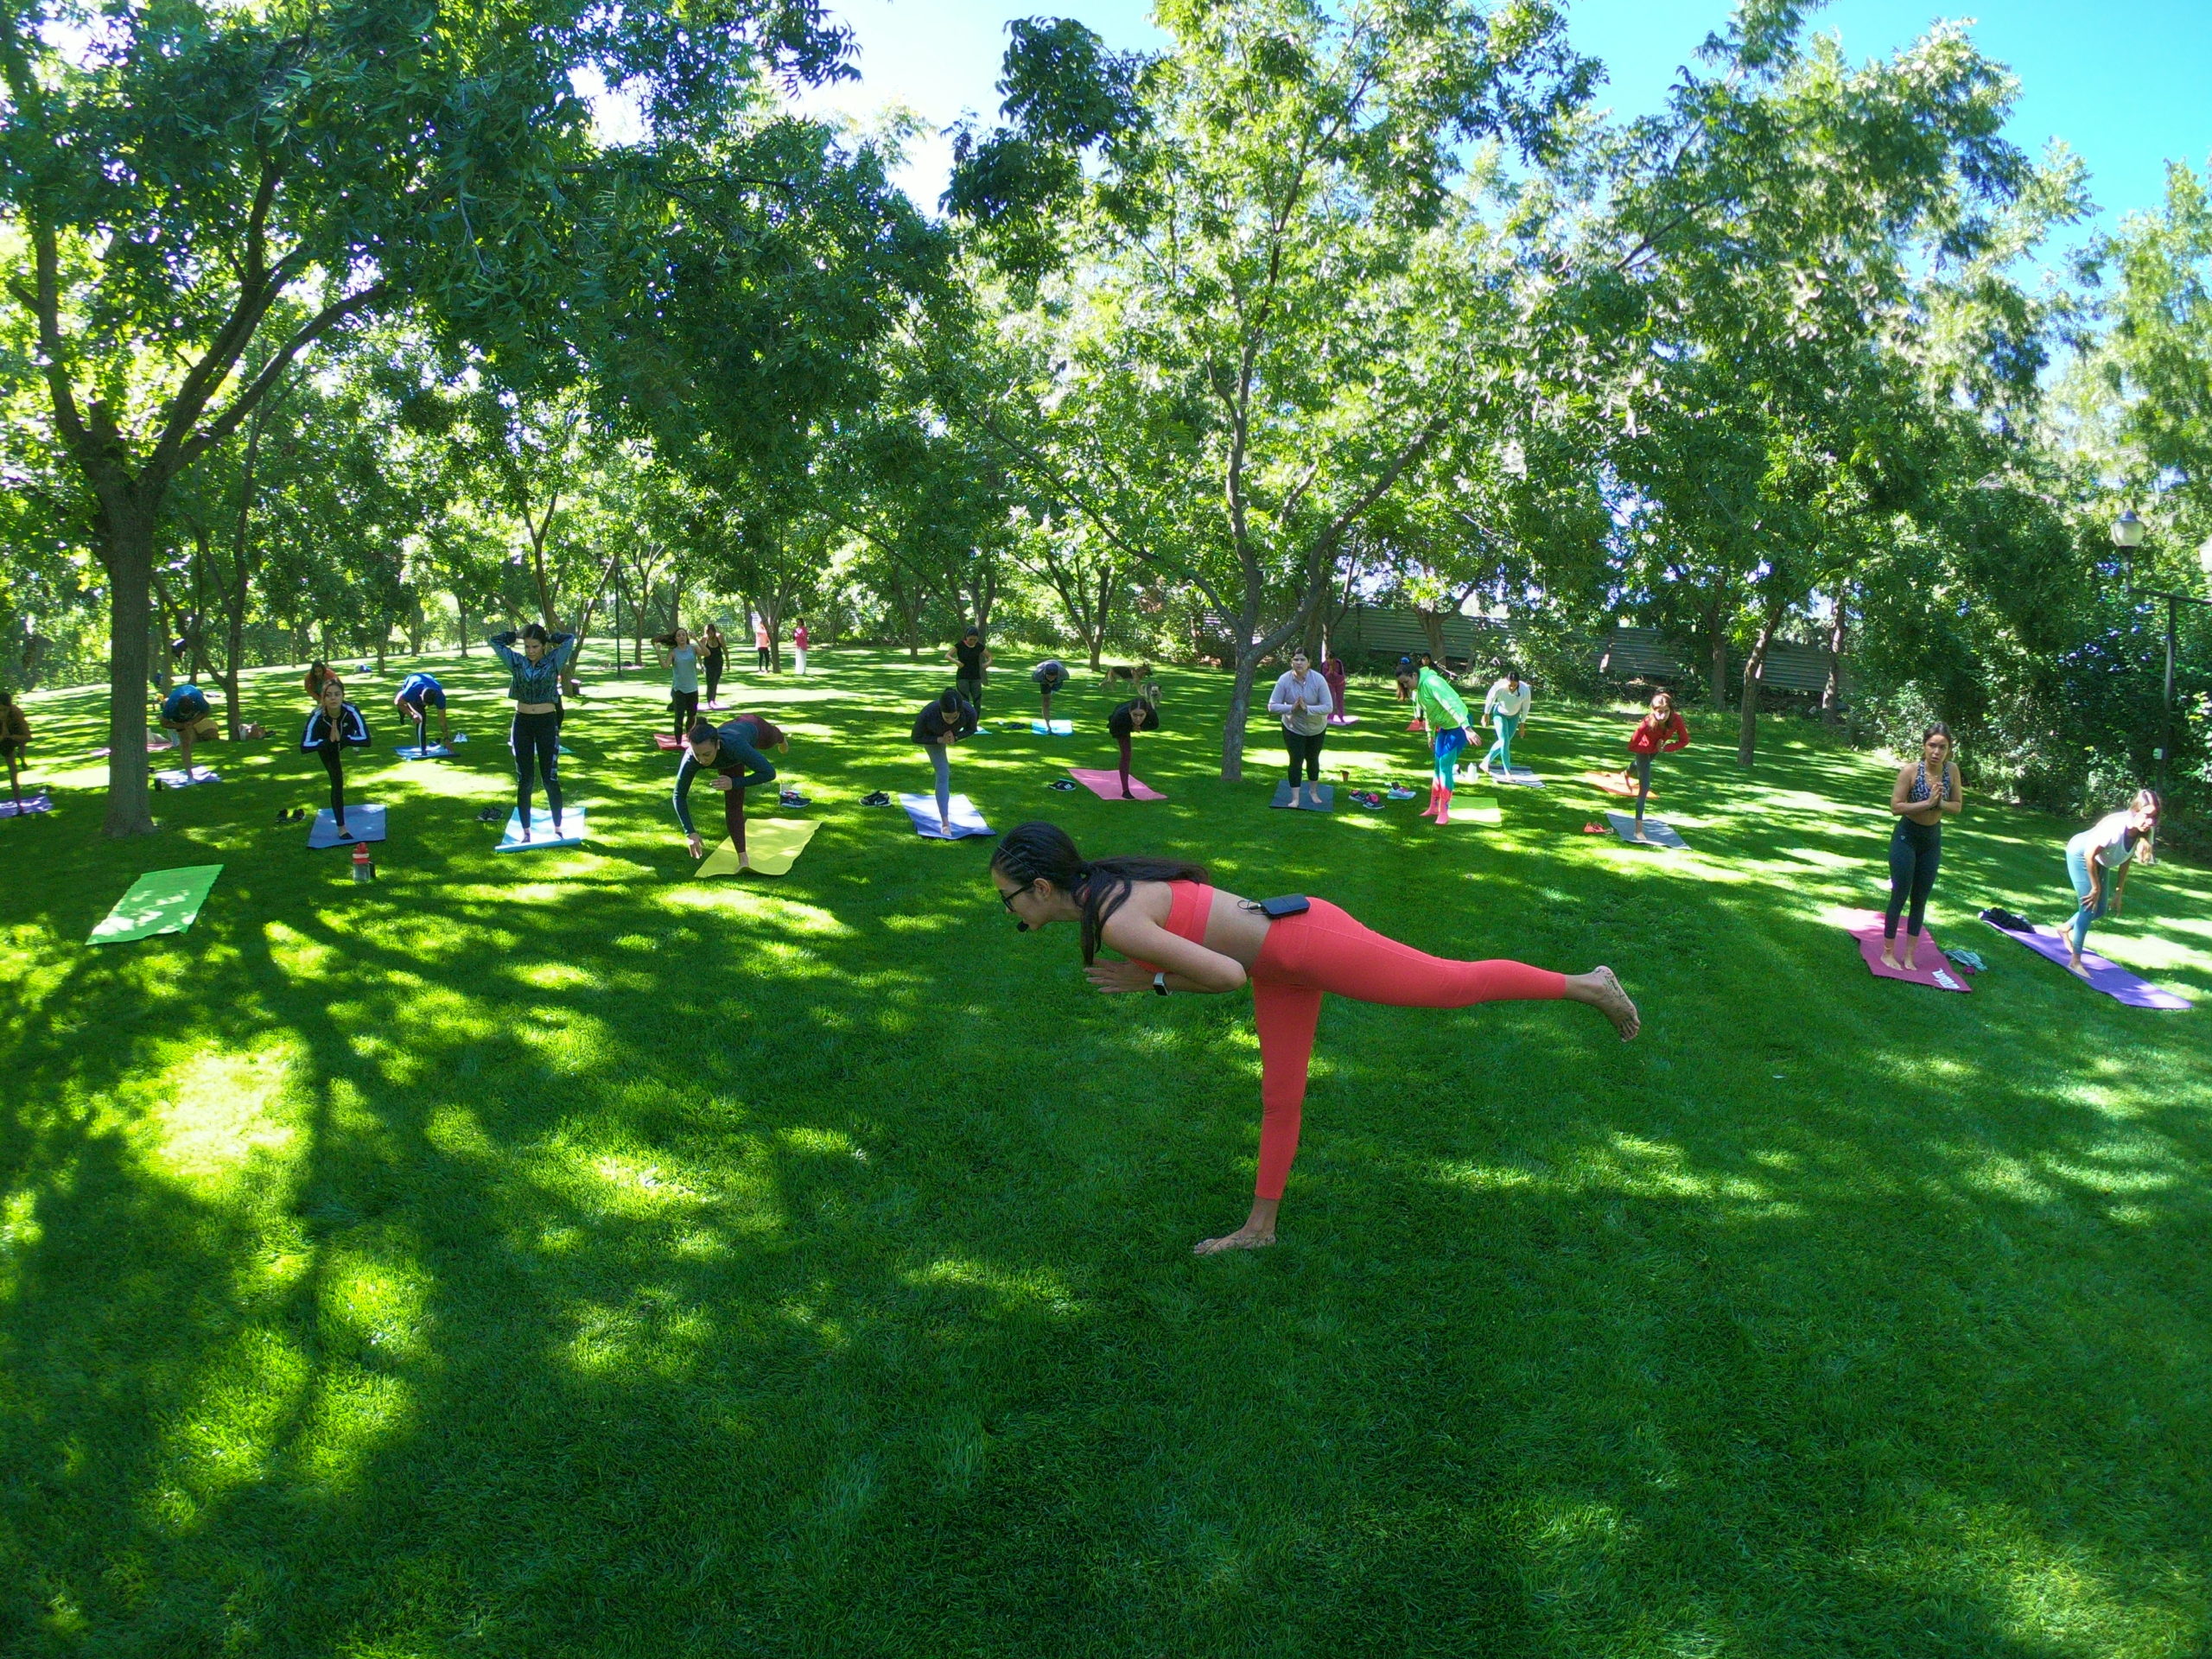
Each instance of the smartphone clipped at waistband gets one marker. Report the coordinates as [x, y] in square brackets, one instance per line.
[1276, 909]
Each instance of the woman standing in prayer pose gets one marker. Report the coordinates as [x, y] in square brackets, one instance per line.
[1301, 698]
[335, 727]
[1923, 793]
[1177, 934]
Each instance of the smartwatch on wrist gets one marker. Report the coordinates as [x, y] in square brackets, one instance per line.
[1159, 984]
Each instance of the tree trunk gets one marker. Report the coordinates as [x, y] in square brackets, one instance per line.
[1431, 628]
[1832, 692]
[130, 585]
[1720, 663]
[1747, 729]
[1240, 711]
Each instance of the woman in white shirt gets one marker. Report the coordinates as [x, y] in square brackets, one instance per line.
[2099, 859]
[1301, 697]
[1507, 702]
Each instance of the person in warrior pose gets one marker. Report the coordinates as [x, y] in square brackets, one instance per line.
[731, 754]
[681, 658]
[535, 685]
[15, 740]
[2098, 861]
[1049, 676]
[185, 711]
[973, 663]
[418, 693]
[1660, 732]
[1177, 934]
[1137, 715]
[936, 728]
[714, 656]
[335, 727]
[1923, 793]
[1445, 713]
[1505, 707]
[1300, 697]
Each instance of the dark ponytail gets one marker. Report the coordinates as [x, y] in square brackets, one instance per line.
[1044, 852]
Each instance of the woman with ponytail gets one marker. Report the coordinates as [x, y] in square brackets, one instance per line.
[1178, 933]
[2098, 861]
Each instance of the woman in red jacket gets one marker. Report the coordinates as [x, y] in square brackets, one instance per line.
[1660, 732]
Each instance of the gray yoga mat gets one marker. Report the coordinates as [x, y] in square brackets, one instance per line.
[365, 822]
[1327, 792]
[1656, 832]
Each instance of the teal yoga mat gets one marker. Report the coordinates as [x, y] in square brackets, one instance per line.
[160, 901]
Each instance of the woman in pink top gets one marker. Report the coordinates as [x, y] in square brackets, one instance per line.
[763, 647]
[1178, 934]
[800, 639]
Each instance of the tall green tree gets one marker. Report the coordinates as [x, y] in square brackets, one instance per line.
[1267, 295]
[167, 185]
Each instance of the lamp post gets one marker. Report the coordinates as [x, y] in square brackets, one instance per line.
[2128, 535]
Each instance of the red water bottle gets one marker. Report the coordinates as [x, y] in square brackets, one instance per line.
[363, 869]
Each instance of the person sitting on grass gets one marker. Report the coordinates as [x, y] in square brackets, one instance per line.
[1175, 933]
[731, 753]
[185, 711]
[15, 740]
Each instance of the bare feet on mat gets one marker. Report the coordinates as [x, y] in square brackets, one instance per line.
[1602, 991]
[2073, 965]
[1890, 960]
[1246, 1237]
[945, 828]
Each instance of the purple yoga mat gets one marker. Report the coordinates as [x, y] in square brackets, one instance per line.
[2114, 981]
[1107, 785]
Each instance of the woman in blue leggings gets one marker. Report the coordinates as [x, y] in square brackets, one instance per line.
[2098, 861]
[1923, 793]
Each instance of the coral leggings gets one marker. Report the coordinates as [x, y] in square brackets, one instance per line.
[1322, 950]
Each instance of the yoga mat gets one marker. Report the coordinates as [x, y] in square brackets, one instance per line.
[1107, 785]
[966, 820]
[1933, 968]
[1486, 812]
[160, 901]
[2114, 981]
[1056, 728]
[1524, 776]
[541, 828]
[1417, 725]
[1328, 799]
[1611, 783]
[180, 779]
[1344, 719]
[38, 803]
[663, 740]
[436, 751]
[365, 822]
[1655, 832]
[771, 847]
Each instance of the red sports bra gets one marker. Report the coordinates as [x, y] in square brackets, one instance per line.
[1188, 910]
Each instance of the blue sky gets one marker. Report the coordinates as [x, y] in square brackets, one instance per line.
[2127, 84]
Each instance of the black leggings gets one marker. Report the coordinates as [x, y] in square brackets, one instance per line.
[334, 762]
[712, 668]
[685, 704]
[1306, 751]
[536, 738]
[762, 652]
[1915, 851]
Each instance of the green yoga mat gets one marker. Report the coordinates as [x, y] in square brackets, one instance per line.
[160, 901]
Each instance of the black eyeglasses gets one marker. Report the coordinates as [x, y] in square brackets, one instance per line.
[1007, 899]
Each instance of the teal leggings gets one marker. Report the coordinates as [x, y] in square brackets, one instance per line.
[1502, 750]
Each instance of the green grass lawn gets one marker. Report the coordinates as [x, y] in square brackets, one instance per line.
[551, 1255]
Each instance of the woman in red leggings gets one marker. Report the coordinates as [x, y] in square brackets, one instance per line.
[1180, 934]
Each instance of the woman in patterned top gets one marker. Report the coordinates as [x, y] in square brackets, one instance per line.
[1923, 793]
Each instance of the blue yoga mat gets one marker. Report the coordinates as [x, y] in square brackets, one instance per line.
[436, 752]
[365, 822]
[37, 802]
[1327, 792]
[966, 820]
[181, 779]
[541, 828]
[1054, 728]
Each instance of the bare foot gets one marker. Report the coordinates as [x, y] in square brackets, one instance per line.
[944, 829]
[1889, 960]
[2074, 966]
[1606, 995]
[1244, 1238]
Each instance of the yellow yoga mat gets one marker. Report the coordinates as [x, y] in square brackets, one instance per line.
[771, 847]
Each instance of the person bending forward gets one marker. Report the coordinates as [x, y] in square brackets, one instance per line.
[731, 753]
[1178, 934]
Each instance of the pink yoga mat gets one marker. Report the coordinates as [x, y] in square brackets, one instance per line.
[663, 740]
[1932, 967]
[1107, 786]
[1611, 783]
